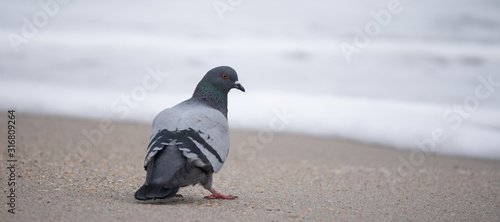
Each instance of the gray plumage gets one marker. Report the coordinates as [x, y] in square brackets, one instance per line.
[190, 141]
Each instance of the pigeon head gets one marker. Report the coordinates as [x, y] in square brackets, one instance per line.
[215, 86]
[222, 78]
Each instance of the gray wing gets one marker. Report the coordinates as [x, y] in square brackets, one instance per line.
[200, 132]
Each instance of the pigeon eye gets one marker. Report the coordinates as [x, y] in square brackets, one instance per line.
[224, 76]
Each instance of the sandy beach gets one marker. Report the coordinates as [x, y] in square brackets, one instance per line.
[63, 174]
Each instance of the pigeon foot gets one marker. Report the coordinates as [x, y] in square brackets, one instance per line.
[217, 195]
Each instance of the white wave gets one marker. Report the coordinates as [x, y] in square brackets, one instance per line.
[383, 122]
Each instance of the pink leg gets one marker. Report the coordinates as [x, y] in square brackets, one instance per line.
[178, 195]
[217, 195]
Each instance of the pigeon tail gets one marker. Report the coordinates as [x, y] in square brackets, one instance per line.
[148, 192]
[160, 170]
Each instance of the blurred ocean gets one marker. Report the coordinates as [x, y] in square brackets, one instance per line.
[426, 77]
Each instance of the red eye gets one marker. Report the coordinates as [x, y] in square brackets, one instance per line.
[224, 76]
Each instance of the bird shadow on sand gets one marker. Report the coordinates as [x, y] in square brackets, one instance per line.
[171, 201]
[185, 200]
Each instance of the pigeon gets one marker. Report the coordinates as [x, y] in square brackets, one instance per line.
[190, 141]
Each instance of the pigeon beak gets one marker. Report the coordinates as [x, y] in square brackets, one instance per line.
[239, 86]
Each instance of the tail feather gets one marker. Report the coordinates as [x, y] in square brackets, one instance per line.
[148, 192]
[159, 171]
[168, 171]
